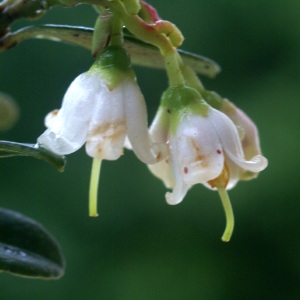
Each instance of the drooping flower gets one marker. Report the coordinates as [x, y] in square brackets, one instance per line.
[246, 128]
[100, 109]
[100, 113]
[202, 143]
[204, 146]
[101, 118]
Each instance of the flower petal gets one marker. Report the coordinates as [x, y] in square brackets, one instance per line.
[196, 150]
[68, 131]
[159, 132]
[229, 137]
[107, 128]
[247, 130]
[159, 129]
[178, 193]
[256, 164]
[163, 171]
[50, 117]
[233, 172]
[136, 117]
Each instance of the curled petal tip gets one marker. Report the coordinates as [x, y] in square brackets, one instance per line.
[171, 199]
[256, 164]
[177, 194]
[260, 162]
[150, 153]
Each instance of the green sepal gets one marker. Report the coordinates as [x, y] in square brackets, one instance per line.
[8, 149]
[142, 54]
[213, 99]
[113, 57]
[27, 248]
[180, 101]
[113, 65]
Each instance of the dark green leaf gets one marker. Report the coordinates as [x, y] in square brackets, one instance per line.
[141, 53]
[8, 149]
[27, 248]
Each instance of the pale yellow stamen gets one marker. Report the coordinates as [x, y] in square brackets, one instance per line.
[94, 182]
[228, 213]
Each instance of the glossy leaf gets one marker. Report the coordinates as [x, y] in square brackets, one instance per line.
[27, 248]
[142, 54]
[8, 149]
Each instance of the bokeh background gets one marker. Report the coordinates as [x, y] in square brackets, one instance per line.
[139, 247]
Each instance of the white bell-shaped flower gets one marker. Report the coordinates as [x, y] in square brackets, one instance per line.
[101, 117]
[202, 147]
[103, 109]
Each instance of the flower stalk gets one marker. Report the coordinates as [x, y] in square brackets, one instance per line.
[228, 214]
[94, 183]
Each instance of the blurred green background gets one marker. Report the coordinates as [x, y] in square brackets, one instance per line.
[139, 247]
